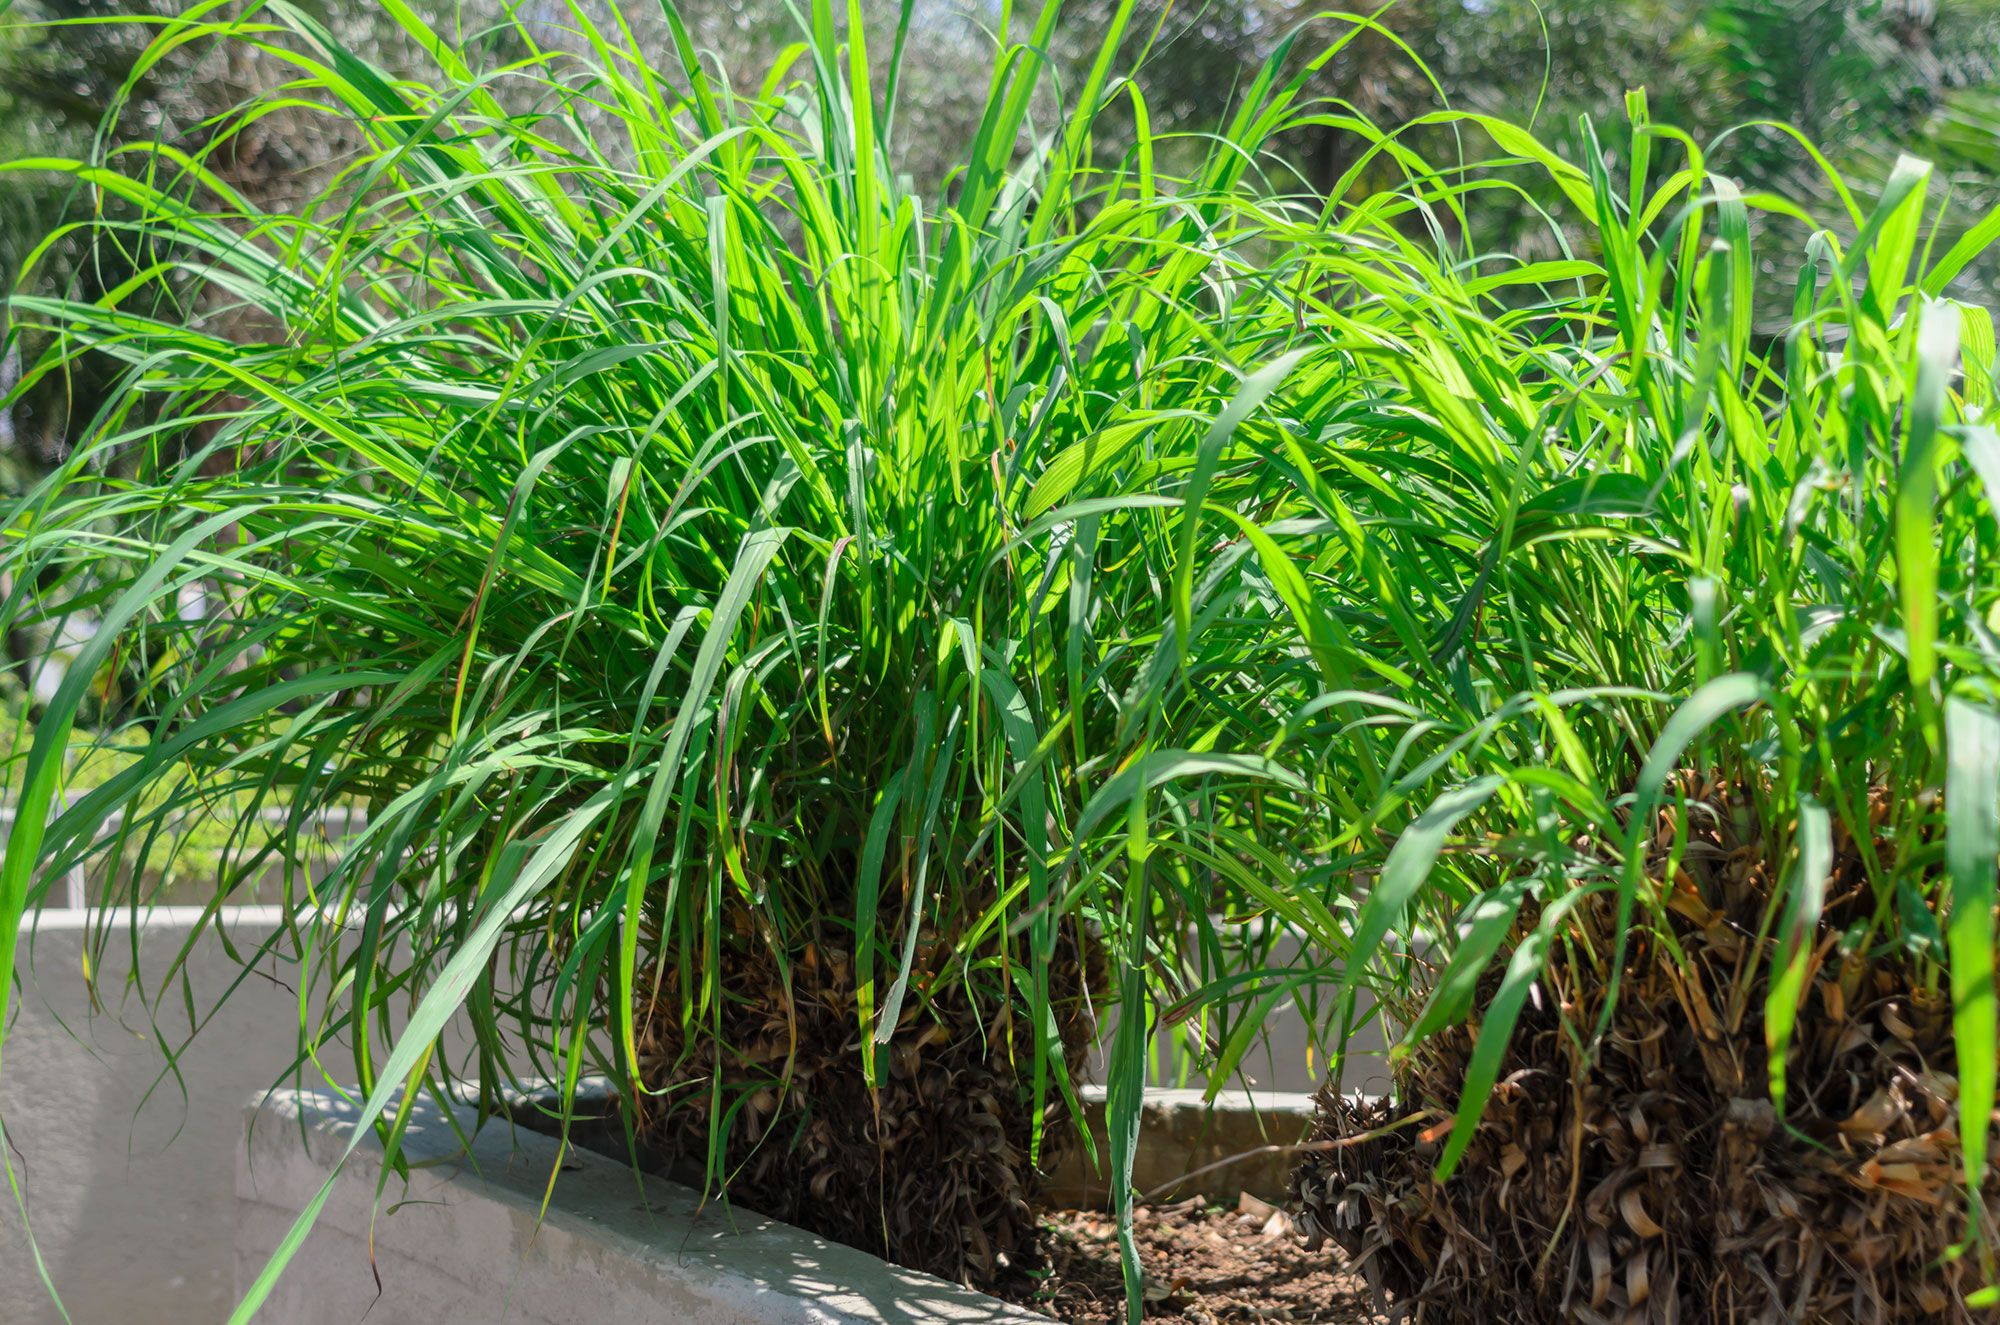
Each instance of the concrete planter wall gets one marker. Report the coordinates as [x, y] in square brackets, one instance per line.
[131, 1181]
[466, 1240]
[1187, 1147]
[128, 1177]
[129, 1174]
[1283, 1058]
[131, 1185]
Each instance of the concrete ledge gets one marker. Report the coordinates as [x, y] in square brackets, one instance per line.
[1188, 1147]
[465, 1238]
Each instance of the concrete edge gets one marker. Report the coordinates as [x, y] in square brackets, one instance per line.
[1194, 1099]
[738, 1264]
[58, 919]
[1244, 1141]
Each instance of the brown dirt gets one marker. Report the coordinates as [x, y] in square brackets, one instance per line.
[1648, 1179]
[1202, 1264]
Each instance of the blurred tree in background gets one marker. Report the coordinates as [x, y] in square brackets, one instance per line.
[72, 84]
[1863, 79]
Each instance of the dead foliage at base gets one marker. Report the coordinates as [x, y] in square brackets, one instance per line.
[932, 1171]
[1654, 1181]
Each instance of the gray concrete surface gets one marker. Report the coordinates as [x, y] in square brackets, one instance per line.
[465, 1239]
[1283, 1059]
[129, 1178]
[1190, 1147]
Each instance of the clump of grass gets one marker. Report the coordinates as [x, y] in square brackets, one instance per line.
[1697, 917]
[791, 622]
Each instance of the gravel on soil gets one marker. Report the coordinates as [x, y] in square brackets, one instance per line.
[1202, 1264]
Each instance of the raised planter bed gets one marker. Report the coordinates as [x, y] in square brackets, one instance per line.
[468, 1238]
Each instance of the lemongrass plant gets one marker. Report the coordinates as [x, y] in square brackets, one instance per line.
[791, 637]
[1690, 942]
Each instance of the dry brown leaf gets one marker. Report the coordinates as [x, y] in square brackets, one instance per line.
[1632, 1207]
[1881, 1112]
[1246, 1204]
[1659, 1155]
[1638, 1281]
[1929, 1148]
[1598, 1247]
[1917, 1181]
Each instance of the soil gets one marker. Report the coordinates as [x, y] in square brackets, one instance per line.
[1202, 1264]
